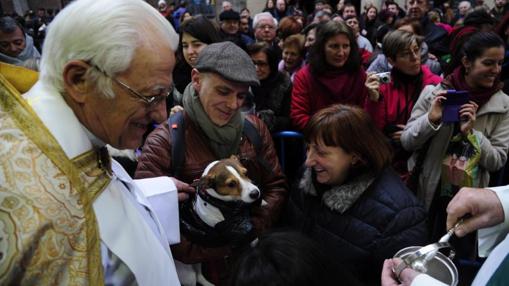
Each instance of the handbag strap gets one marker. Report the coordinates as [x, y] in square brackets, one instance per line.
[419, 162]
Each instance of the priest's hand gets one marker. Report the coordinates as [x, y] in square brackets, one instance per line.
[483, 205]
[183, 189]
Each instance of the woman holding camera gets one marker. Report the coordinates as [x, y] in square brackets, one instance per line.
[333, 74]
[393, 95]
[482, 122]
[349, 199]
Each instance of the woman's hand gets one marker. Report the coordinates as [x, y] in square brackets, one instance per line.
[435, 111]
[389, 278]
[468, 113]
[373, 85]
[396, 136]
[176, 109]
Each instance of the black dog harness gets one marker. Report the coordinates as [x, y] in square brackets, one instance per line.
[236, 228]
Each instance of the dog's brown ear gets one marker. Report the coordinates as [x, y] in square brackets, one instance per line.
[209, 181]
[235, 158]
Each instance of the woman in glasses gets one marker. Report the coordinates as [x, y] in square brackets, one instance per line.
[393, 95]
[271, 100]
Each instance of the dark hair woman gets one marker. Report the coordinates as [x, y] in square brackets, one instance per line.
[195, 34]
[272, 98]
[269, 5]
[348, 199]
[369, 23]
[333, 74]
[483, 124]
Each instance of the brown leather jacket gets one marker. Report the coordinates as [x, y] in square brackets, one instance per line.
[156, 161]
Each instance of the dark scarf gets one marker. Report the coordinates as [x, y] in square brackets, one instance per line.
[264, 90]
[456, 80]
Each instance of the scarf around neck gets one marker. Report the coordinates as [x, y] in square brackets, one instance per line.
[343, 86]
[456, 80]
[338, 198]
[411, 81]
[224, 140]
[30, 52]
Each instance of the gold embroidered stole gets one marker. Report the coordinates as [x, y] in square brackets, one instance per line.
[48, 230]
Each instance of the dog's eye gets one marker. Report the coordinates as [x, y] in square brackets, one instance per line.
[232, 184]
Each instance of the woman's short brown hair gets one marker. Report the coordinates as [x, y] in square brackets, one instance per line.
[398, 41]
[352, 129]
[288, 26]
[295, 41]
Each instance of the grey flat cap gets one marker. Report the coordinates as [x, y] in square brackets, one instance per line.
[229, 61]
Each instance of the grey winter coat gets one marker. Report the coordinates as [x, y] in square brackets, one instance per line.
[491, 127]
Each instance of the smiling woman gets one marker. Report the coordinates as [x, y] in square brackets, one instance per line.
[293, 55]
[348, 198]
[195, 34]
[333, 75]
[484, 122]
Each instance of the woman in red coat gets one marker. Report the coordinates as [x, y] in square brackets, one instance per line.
[391, 103]
[333, 74]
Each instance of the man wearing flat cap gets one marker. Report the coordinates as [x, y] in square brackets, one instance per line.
[230, 29]
[214, 129]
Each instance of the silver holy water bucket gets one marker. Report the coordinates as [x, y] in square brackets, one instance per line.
[439, 266]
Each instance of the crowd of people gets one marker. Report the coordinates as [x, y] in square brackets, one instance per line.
[401, 116]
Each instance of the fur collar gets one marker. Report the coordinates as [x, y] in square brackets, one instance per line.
[338, 198]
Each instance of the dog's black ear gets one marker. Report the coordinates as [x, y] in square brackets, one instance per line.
[209, 181]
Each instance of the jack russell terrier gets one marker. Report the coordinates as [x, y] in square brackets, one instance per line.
[219, 213]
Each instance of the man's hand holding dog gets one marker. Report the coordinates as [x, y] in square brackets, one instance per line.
[183, 189]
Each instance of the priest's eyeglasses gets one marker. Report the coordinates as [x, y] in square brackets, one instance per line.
[149, 101]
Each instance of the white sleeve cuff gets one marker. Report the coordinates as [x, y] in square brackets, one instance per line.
[490, 237]
[426, 280]
[431, 124]
[162, 194]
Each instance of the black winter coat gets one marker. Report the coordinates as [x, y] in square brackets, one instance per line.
[384, 219]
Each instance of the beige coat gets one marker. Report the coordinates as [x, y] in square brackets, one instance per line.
[491, 127]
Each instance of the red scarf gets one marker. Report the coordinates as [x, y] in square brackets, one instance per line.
[344, 87]
[456, 80]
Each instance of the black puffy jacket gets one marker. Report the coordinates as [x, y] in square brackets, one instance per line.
[384, 219]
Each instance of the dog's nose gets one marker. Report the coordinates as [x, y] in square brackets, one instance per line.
[254, 194]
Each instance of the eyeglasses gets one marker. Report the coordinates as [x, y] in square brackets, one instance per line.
[270, 27]
[260, 63]
[149, 101]
[410, 53]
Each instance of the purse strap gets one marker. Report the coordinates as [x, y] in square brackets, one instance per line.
[419, 162]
